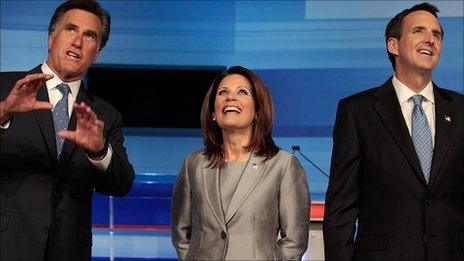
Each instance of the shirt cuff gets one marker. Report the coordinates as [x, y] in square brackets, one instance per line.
[5, 125]
[105, 162]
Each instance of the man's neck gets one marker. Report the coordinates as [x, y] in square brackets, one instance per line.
[64, 78]
[414, 81]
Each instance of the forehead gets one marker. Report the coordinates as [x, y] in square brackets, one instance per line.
[421, 18]
[81, 18]
[234, 80]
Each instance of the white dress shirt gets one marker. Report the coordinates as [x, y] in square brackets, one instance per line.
[404, 94]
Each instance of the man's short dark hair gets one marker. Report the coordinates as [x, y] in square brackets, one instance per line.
[90, 6]
[395, 25]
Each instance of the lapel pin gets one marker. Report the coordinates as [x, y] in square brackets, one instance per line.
[255, 166]
[447, 118]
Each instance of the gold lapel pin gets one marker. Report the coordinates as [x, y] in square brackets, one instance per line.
[447, 118]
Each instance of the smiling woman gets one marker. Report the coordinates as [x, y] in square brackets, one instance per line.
[231, 197]
[237, 110]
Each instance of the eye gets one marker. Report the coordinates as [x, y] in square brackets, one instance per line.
[437, 35]
[243, 91]
[418, 30]
[222, 92]
[90, 36]
[70, 29]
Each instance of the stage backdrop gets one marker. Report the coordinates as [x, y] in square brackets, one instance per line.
[310, 53]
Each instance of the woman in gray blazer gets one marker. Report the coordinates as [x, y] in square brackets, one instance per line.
[240, 198]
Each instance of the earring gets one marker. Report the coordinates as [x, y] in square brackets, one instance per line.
[214, 118]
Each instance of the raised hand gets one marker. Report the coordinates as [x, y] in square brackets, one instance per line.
[89, 130]
[22, 98]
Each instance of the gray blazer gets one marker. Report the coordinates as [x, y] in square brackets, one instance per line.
[272, 196]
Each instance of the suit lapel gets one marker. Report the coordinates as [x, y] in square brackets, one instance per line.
[45, 121]
[254, 169]
[211, 188]
[444, 129]
[69, 147]
[389, 110]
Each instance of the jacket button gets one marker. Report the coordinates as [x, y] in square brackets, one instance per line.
[57, 194]
[223, 235]
[424, 238]
[45, 228]
[428, 201]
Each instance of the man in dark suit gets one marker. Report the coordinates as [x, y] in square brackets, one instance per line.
[397, 164]
[49, 169]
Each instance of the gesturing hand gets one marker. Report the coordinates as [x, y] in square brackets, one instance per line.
[89, 129]
[22, 98]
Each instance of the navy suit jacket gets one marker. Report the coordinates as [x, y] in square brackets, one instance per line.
[46, 203]
[377, 181]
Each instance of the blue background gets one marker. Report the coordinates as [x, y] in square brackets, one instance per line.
[310, 53]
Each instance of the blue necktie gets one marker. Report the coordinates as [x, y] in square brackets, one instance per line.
[61, 116]
[421, 136]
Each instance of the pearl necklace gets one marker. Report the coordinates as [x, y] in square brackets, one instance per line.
[242, 160]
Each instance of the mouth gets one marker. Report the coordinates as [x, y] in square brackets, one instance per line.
[73, 55]
[231, 110]
[426, 52]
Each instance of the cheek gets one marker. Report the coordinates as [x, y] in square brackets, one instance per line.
[217, 106]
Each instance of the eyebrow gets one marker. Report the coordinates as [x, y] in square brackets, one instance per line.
[87, 31]
[438, 31]
[418, 27]
[423, 28]
[68, 25]
[240, 86]
[91, 32]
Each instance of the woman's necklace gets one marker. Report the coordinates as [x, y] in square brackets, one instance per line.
[242, 160]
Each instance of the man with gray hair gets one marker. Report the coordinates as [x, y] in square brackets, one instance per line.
[59, 143]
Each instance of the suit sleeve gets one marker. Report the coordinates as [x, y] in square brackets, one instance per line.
[180, 212]
[341, 202]
[118, 177]
[294, 203]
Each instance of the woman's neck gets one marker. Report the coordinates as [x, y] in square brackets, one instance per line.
[235, 146]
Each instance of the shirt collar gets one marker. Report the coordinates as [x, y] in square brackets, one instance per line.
[53, 82]
[404, 93]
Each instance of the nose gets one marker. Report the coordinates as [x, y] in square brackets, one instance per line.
[430, 38]
[230, 96]
[77, 41]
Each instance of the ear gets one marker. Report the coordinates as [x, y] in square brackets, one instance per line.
[51, 39]
[392, 45]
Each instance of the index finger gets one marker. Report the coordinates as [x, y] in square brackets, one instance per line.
[85, 110]
[30, 78]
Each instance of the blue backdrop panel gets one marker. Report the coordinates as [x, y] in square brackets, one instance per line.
[310, 54]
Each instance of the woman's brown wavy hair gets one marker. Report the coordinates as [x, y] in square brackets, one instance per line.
[261, 140]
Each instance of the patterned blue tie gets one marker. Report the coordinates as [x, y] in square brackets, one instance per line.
[61, 116]
[421, 136]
